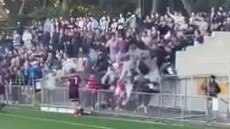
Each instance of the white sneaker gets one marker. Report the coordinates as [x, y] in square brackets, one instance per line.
[141, 106]
[118, 109]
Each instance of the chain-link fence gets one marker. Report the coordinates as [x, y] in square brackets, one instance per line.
[159, 106]
[58, 97]
[181, 99]
[19, 95]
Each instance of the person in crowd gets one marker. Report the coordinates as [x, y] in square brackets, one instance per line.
[93, 24]
[213, 88]
[212, 91]
[103, 24]
[120, 94]
[16, 39]
[45, 38]
[93, 85]
[101, 65]
[132, 22]
[121, 22]
[113, 46]
[109, 79]
[114, 25]
[57, 42]
[27, 39]
[51, 79]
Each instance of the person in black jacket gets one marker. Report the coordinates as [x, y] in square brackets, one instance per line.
[55, 40]
[102, 64]
[213, 87]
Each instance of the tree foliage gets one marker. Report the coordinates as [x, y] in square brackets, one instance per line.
[37, 9]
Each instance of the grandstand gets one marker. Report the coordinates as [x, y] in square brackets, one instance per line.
[159, 68]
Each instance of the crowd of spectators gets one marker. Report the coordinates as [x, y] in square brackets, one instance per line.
[47, 45]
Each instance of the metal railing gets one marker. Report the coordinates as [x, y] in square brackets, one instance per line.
[148, 105]
[180, 99]
[19, 95]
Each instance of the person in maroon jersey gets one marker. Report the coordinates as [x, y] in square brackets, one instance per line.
[74, 84]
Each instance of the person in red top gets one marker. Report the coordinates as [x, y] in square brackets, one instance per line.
[120, 93]
[93, 86]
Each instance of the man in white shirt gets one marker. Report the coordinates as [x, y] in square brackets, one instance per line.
[81, 23]
[16, 39]
[94, 24]
[103, 24]
[27, 39]
[114, 25]
[121, 22]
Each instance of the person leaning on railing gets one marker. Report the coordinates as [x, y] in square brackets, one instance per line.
[212, 89]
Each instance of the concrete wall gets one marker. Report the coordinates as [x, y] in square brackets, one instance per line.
[213, 57]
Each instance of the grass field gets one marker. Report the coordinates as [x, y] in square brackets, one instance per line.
[28, 118]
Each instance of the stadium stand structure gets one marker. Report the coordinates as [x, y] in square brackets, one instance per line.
[212, 57]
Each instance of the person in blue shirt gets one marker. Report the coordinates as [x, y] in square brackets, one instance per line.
[33, 72]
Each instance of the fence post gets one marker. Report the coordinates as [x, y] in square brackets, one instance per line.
[97, 101]
[186, 93]
[161, 98]
[64, 90]
[229, 90]
[182, 108]
[33, 92]
[42, 92]
[18, 88]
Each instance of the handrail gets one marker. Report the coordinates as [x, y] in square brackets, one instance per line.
[223, 100]
[192, 76]
[163, 94]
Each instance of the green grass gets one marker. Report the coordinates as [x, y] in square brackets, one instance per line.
[29, 118]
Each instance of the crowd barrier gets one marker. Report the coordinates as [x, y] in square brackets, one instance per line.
[147, 105]
[19, 95]
[180, 99]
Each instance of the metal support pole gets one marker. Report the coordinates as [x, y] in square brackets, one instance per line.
[42, 92]
[161, 98]
[33, 92]
[186, 94]
[229, 89]
[182, 107]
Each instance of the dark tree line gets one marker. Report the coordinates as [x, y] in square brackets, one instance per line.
[12, 8]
